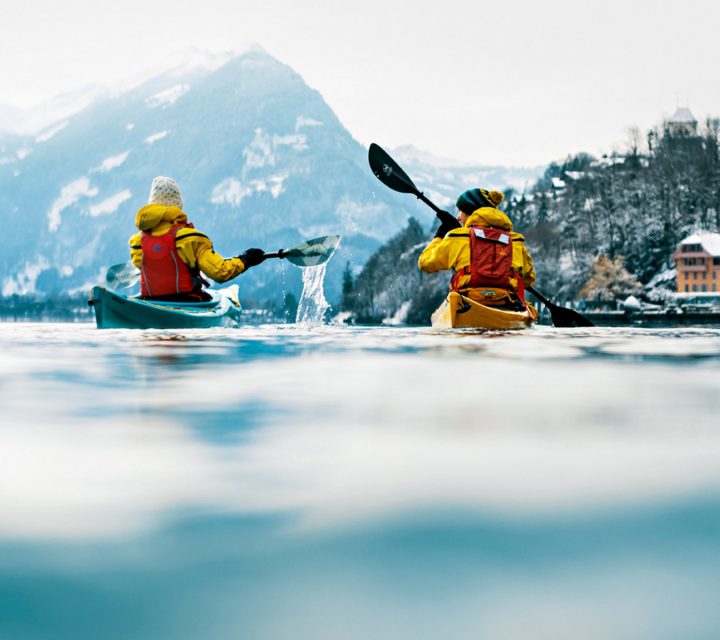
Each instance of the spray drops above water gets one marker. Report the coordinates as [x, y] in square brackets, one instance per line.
[312, 305]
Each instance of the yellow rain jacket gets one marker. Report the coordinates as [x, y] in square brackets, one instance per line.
[194, 248]
[453, 251]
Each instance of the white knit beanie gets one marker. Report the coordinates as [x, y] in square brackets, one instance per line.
[165, 191]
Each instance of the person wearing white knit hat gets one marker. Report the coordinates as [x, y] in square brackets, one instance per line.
[172, 255]
[165, 191]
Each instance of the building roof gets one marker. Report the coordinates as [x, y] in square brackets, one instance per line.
[683, 115]
[710, 242]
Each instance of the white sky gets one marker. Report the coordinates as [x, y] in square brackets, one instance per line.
[514, 82]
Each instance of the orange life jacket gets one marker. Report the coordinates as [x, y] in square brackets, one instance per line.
[163, 272]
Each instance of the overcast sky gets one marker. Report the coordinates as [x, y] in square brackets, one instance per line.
[515, 82]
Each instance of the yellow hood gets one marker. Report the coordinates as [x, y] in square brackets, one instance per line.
[158, 218]
[489, 217]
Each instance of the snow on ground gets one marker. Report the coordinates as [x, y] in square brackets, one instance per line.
[168, 97]
[23, 153]
[297, 141]
[109, 205]
[259, 153]
[155, 137]
[302, 121]
[49, 133]
[69, 195]
[129, 126]
[23, 282]
[232, 191]
[229, 191]
[276, 185]
[111, 163]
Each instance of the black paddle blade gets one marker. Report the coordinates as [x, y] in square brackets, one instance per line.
[313, 252]
[389, 172]
[564, 317]
[561, 316]
[122, 275]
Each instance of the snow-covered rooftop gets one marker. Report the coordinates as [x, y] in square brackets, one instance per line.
[710, 242]
[682, 115]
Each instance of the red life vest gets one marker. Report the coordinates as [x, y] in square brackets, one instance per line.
[491, 254]
[163, 272]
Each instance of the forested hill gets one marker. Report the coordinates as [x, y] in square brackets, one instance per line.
[636, 206]
[633, 208]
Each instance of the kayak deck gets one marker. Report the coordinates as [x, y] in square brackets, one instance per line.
[460, 312]
[117, 311]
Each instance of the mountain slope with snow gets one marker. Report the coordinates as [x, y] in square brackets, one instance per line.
[261, 158]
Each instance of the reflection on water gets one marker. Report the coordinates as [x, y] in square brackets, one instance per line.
[280, 481]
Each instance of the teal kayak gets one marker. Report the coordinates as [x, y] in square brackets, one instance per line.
[114, 310]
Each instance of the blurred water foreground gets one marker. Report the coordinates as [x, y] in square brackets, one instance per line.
[332, 482]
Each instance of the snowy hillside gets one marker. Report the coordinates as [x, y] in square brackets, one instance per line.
[261, 158]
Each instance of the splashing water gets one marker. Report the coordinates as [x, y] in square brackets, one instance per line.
[312, 305]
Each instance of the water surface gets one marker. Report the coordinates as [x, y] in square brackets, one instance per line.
[334, 482]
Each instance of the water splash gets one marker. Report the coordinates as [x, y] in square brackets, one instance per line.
[312, 305]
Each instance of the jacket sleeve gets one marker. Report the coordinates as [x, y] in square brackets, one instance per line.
[528, 274]
[135, 243]
[443, 253]
[196, 250]
[522, 261]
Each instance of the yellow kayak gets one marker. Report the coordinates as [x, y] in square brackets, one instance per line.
[461, 312]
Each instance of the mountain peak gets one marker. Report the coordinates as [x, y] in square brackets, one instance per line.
[35, 120]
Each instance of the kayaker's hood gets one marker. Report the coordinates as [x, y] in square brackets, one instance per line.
[489, 217]
[158, 218]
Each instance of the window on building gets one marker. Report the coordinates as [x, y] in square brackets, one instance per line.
[714, 287]
[691, 248]
[704, 288]
[716, 260]
[687, 288]
[694, 288]
[695, 275]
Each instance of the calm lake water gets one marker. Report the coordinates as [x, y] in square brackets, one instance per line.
[359, 483]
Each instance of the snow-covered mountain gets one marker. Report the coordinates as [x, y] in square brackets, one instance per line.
[261, 158]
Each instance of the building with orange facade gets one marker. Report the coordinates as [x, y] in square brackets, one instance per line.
[697, 259]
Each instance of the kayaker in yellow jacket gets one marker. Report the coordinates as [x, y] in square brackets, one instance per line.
[490, 260]
[171, 254]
